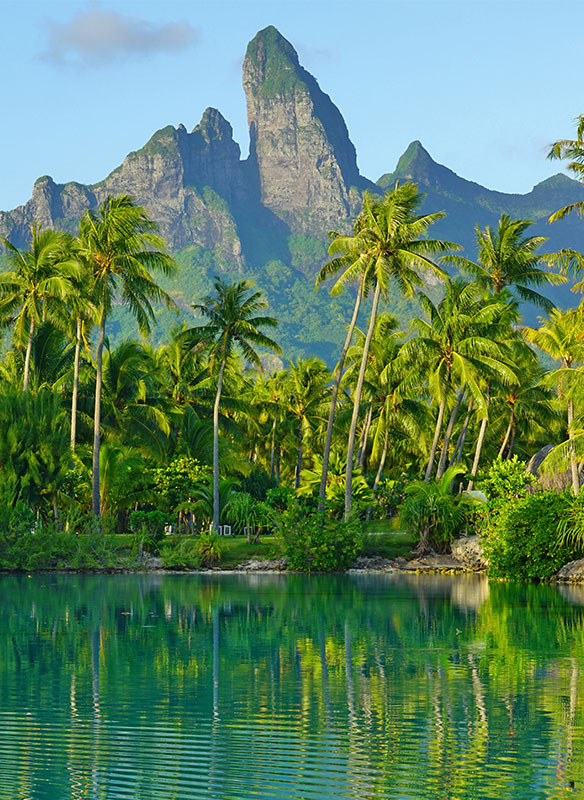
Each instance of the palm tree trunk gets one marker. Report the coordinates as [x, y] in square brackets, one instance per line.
[331, 418]
[379, 472]
[356, 405]
[459, 449]
[480, 440]
[364, 437]
[437, 430]
[299, 457]
[512, 442]
[27, 356]
[273, 449]
[447, 436]
[573, 462]
[507, 435]
[75, 386]
[216, 509]
[96, 499]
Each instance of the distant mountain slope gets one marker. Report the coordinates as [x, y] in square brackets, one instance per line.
[266, 217]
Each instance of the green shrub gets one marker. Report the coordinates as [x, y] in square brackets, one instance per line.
[507, 479]
[436, 516]
[150, 525]
[209, 549]
[315, 542]
[183, 556]
[522, 539]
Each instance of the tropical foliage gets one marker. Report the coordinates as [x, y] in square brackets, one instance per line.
[215, 427]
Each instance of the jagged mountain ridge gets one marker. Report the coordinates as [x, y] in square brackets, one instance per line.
[266, 217]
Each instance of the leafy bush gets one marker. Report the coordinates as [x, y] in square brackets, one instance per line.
[280, 497]
[178, 481]
[522, 540]
[315, 542]
[389, 496]
[209, 549]
[183, 556]
[434, 514]
[507, 479]
[150, 525]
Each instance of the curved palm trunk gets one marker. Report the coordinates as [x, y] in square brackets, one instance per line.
[356, 405]
[364, 437]
[273, 449]
[434, 447]
[331, 418]
[216, 508]
[299, 456]
[479, 447]
[382, 460]
[27, 356]
[573, 462]
[507, 435]
[96, 500]
[459, 449]
[512, 442]
[448, 435]
[75, 386]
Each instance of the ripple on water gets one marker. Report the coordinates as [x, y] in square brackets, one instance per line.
[322, 689]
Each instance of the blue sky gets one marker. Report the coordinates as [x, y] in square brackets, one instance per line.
[485, 85]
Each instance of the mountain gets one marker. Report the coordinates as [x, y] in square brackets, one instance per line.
[266, 217]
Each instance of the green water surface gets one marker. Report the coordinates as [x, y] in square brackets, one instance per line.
[270, 686]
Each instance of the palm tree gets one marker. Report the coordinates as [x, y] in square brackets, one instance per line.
[308, 379]
[234, 323]
[37, 283]
[508, 258]
[121, 246]
[391, 243]
[459, 342]
[561, 336]
[573, 151]
[348, 256]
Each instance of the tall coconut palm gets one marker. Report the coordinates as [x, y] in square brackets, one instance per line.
[571, 150]
[390, 238]
[509, 259]
[35, 285]
[459, 342]
[348, 256]
[234, 323]
[308, 379]
[122, 248]
[562, 337]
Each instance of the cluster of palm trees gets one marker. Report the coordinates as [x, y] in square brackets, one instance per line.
[463, 384]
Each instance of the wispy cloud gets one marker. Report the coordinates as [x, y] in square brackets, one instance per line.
[97, 36]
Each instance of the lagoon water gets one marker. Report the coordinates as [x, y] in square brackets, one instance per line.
[271, 686]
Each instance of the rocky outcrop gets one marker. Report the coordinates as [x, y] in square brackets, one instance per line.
[469, 551]
[187, 181]
[299, 143]
[435, 562]
[373, 564]
[573, 572]
[263, 565]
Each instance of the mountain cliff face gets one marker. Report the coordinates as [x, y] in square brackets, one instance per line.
[299, 143]
[267, 216]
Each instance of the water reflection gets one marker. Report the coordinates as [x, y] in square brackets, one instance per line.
[393, 686]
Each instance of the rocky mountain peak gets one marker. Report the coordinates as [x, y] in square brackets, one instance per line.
[299, 143]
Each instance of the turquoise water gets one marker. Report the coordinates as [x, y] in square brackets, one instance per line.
[271, 686]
